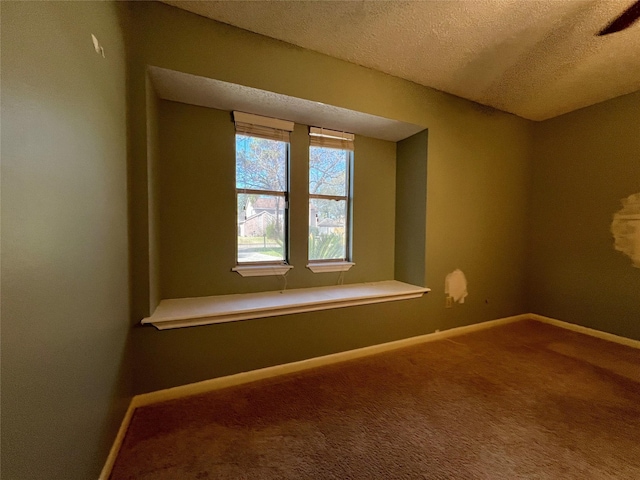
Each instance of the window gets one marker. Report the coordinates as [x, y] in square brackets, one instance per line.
[330, 160]
[262, 189]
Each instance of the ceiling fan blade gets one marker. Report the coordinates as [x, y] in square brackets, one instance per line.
[628, 17]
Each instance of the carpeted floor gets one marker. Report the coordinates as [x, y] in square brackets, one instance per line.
[525, 400]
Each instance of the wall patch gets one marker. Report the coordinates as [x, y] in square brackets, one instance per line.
[626, 228]
[455, 286]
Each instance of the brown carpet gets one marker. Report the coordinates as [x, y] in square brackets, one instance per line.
[525, 400]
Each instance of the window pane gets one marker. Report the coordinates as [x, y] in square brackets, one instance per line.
[261, 164]
[327, 229]
[261, 220]
[328, 171]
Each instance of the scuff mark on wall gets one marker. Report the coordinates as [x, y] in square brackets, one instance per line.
[455, 286]
[626, 228]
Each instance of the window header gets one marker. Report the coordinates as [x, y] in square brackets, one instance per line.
[262, 127]
[322, 137]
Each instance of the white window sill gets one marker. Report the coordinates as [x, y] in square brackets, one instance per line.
[189, 312]
[322, 267]
[261, 270]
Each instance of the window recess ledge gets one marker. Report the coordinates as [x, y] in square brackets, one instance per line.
[261, 270]
[322, 267]
[190, 312]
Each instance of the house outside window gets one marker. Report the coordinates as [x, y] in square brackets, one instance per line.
[262, 189]
[330, 166]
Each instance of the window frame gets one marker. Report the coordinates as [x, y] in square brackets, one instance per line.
[345, 263]
[253, 268]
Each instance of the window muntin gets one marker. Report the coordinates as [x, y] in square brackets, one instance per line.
[261, 193]
[329, 204]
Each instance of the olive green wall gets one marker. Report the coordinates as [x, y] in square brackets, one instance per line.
[585, 163]
[477, 180]
[66, 366]
[153, 184]
[65, 372]
[411, 209]
[198, 215]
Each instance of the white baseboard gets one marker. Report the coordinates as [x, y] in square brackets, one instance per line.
[117, 443]
[269, 372]
[629, 342]
[277, 370]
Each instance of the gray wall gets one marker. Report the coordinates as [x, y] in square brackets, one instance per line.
[65, 375]
[585, 163]
[477, 175]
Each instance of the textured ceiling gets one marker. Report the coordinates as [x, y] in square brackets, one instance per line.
[534, 58]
